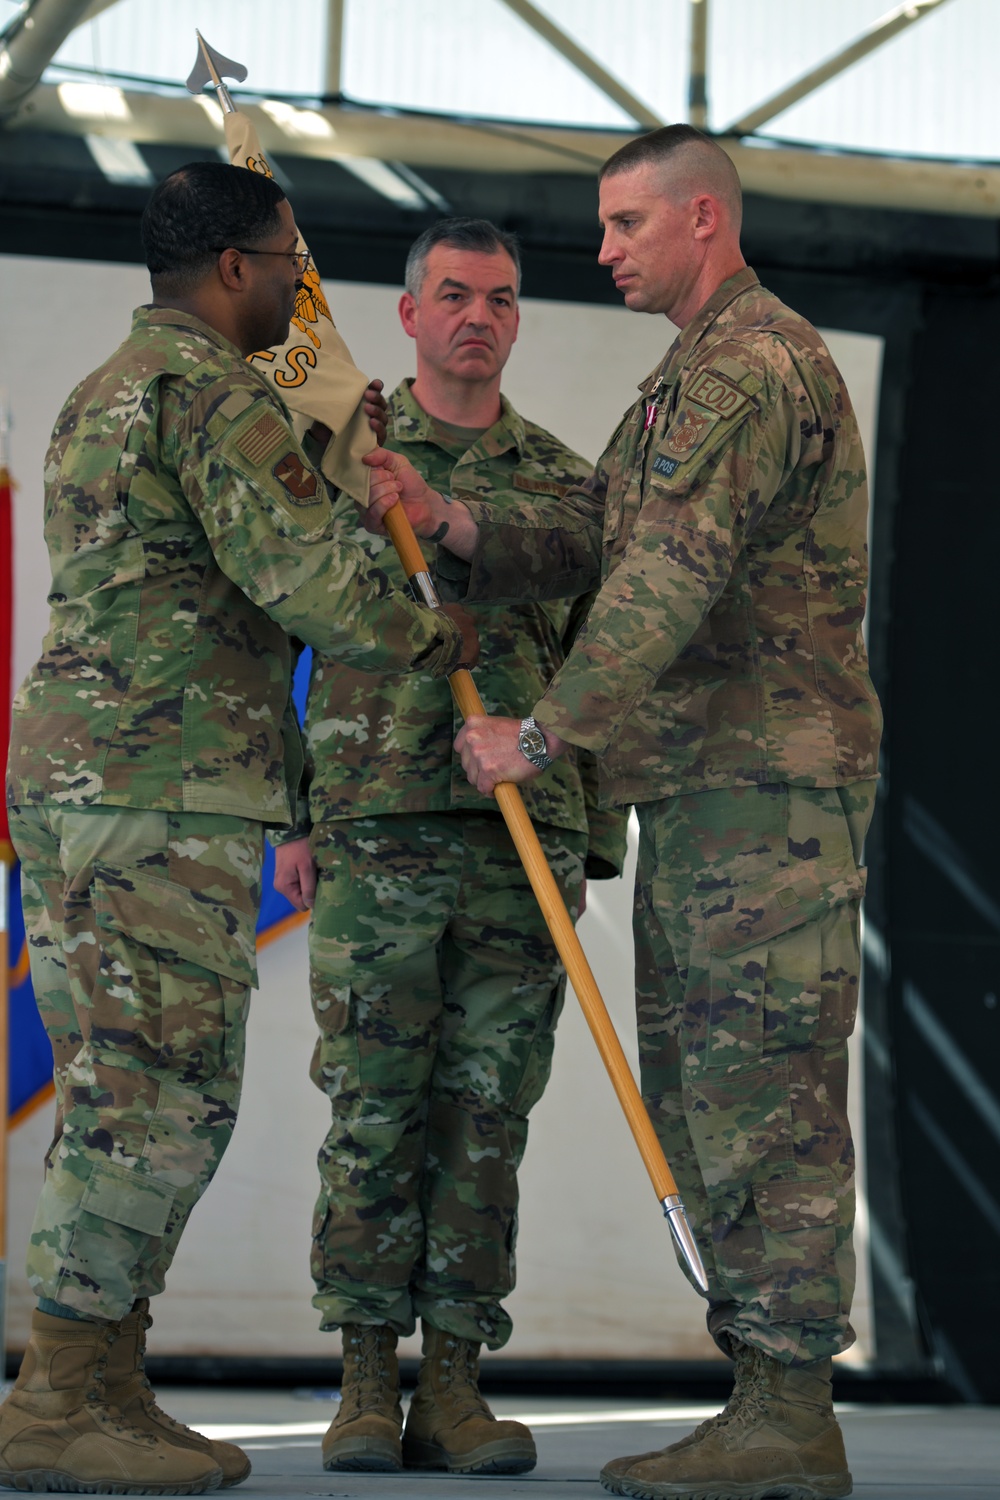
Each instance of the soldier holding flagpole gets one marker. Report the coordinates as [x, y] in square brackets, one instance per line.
[188, 530]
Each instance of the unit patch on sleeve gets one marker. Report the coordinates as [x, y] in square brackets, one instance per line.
[716, 393]
[665, 466]
[687, 431]
[298, 480]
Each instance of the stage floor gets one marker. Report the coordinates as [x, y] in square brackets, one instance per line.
[895, 1452]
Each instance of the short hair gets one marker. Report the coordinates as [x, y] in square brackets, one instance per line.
[200, 210]
[700, 162]
[479, 235]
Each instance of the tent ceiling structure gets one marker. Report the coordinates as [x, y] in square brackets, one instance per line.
[98, 103]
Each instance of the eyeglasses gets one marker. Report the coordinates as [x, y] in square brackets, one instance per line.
[299, 258]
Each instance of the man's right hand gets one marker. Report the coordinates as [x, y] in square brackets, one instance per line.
[295, 873]
[470, 636]
[394, 479]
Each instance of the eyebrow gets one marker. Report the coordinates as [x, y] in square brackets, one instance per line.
[463, 286]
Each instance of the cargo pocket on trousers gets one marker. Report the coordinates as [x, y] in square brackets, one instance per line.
[204, 959]
[766, 961]
[125, 1196]
[798, 1221]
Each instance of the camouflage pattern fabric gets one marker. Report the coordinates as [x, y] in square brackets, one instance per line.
[436, 988]
[434, 979]
[378, 743]
[727, 520]
[188, 534]
[747, 966]
[141, 938]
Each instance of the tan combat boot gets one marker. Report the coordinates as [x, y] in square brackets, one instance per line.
[449, 1426]
[364, 1435]
[127, 1388]
[777, 1435]
[59, 1432]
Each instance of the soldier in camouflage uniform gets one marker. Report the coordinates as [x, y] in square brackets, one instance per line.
[722, 682]
[435, 983]
[188, 533]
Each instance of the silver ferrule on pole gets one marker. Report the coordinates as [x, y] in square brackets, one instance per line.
[423, 584]
[673, 1212]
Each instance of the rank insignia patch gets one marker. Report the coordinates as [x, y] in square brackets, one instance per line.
[665, 466]
[299, 481]
[687, 431]
[716, 393]
[259, 441]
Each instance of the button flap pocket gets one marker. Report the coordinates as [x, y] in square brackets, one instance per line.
[161, 914]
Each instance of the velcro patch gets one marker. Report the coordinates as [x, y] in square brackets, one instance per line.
[665, 466]
[260, 440]
[298, 480]
[716, 393]
[687, 431]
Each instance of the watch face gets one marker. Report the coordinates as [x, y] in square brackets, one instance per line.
[531, 742]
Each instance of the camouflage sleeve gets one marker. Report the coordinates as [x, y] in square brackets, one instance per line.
[267, 516]
[298, 796]
[548, 550]
[607, 827]
[709, 478]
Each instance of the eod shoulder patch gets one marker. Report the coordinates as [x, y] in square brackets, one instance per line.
[716, 393]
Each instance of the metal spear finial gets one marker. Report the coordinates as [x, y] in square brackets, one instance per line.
[211, 67]
[673, 1212]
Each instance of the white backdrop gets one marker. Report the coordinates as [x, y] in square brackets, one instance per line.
[596, 1272]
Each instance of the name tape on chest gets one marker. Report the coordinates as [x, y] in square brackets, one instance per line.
[716, 393]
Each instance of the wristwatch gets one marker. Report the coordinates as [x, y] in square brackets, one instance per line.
[531, 743]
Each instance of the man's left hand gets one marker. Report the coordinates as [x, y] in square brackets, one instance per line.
[489, 752]
[376, 410]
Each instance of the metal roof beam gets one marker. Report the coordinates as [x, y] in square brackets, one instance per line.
[29, 44]
[698, 64]
[876, 36]
[333, 84]
[584, 63]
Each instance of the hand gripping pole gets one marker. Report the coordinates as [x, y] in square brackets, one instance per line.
[561, 927]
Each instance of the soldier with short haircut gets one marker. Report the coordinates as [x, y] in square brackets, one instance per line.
[722, 682]
[435, 983]
[189, 533]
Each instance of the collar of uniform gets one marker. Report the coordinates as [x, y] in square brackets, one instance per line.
[149, 316]
[411, 424]
[734, 286]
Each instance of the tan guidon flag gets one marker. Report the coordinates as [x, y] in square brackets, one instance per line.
[313, 369]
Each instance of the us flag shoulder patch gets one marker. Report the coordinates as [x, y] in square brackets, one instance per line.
[260, 440]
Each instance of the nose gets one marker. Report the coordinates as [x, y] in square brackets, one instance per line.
[608, 253]
[478, 312]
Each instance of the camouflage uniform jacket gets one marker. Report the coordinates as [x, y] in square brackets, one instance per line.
[187, 533]
[727, 519]
[383, 744]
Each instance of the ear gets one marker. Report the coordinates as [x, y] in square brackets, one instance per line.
[232, 270]
[517, 323]
[408, 314]
[706, 216]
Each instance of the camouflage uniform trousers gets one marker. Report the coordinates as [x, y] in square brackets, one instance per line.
[437, 989]
[747, 966]
[141, 938]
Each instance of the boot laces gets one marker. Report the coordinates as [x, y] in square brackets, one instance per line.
[460, 1378]
[371, 1389]
[102, 1409]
